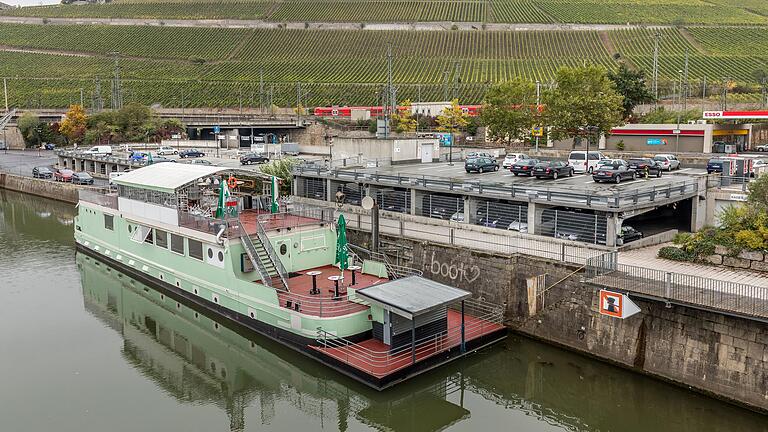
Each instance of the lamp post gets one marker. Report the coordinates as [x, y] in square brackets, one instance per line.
[677, 131]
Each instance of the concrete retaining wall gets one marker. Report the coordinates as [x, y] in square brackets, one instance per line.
[753, 260]
[45, 188]
[715, 354]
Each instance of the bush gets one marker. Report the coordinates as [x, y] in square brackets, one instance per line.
[620, 145]
[675, 254]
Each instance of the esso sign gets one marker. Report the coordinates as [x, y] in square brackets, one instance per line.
[713, 114]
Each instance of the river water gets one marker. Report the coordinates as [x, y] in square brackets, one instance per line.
[85, 348]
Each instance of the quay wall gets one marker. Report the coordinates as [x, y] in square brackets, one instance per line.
[723, 356]
[45, 188]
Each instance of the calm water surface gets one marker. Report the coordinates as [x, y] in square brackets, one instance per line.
[85, 348]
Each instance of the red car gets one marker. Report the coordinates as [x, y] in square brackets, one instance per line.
[63, 175]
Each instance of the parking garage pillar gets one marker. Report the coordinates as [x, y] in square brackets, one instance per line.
[330, 194]
[613, 226]
[535, 213]
[413, 202]
[699, 206]
[470, 208]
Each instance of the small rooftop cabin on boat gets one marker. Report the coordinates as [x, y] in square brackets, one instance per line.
[210, 237]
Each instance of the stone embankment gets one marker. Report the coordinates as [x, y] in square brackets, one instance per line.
[45, 188]
[753, 260]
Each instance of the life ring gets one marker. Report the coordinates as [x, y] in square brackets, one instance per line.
[232, 182]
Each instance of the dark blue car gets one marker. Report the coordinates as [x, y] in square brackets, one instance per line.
[715, 166]
[191, 153]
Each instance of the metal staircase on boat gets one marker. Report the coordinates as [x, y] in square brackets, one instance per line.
[264, 260]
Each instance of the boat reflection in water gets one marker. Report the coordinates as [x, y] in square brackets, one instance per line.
[198, 359]
[518, 385]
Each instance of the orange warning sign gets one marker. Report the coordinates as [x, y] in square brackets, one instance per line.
[611, 303]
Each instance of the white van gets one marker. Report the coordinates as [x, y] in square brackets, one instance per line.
[99, 150]
[578, 160]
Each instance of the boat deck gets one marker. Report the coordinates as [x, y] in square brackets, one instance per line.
[250, 220]
[376, 359]
[325, 303]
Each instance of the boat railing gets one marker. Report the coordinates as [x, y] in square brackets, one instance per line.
[484, 317]
[394, 271]
[294, 215]
[322, 307]
[210, 225]
[98, 195]
[279, 267]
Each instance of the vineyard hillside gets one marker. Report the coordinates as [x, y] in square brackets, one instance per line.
[671, 12]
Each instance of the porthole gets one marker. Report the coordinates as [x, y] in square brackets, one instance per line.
[129, 228]
[216, 326]
[178, 305]
[253, 315]
[162, 297]
[197, 315]
[210, 253]
[161, 276]
[221, 256]
[283, 249]
[178, 284]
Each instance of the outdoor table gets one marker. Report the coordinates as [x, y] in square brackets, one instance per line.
[335, 279]
[314, 275]
[354, 270]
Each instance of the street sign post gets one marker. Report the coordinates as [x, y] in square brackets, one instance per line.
[617, 305]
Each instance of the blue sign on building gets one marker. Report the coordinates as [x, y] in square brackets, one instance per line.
[656, 141]
[216, 129]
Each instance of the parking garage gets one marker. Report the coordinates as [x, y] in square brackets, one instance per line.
[575, 208]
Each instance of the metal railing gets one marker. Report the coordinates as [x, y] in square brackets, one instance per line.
[99, 196]
[604, 198]
[719, 295]
[323, 307]
[485, 317]
[6, 118]
[393, 271]
[297, 215]
[279, 267]
[479, 238]
[253, 255]
[210, 225]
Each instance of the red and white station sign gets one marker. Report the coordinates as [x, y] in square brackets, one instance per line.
[729, 115]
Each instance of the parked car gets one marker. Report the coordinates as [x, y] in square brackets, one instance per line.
[480, 164]
[578, 160]
[715, 165]
[762, 148]
[42, 172]
[198, 162]
[629, 234]
[191, 153]
[518, 226]
[253, 158]
[161, 159]
[3, 146]
[757, 163]
[99, 150]
[137, 155]
[82, 178]
[63, 175]
[457, 217]
[565, 234]
[668, 162]
[471, 155]
[645, 167]
[49, 146]
[167, 150]
[115, 174]
[512, 158]
[524, 167]
[609, 162]
[615, 172]
[552, 170]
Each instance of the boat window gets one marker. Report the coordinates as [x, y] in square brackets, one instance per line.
[283, 249]
[221, 256]
[161, 238]
[177, 244]
[195, 249]
[109, 222]
[149, 239]
[140, 233]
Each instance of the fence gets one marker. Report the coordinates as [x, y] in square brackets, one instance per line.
[603, 198]
[486, 317]
[731, 297]
[478, 238]
[98, 196]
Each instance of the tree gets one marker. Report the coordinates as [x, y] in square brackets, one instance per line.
[281, 169]
[585, 99]
[402, 119]
[758, 193]
[631, 85]
[760, 75]
[29, 125]
[73, 125]
[452, 119]
[509, 110]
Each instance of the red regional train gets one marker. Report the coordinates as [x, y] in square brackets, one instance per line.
[377, 111]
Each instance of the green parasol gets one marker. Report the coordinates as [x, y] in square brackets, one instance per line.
[342, 253]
